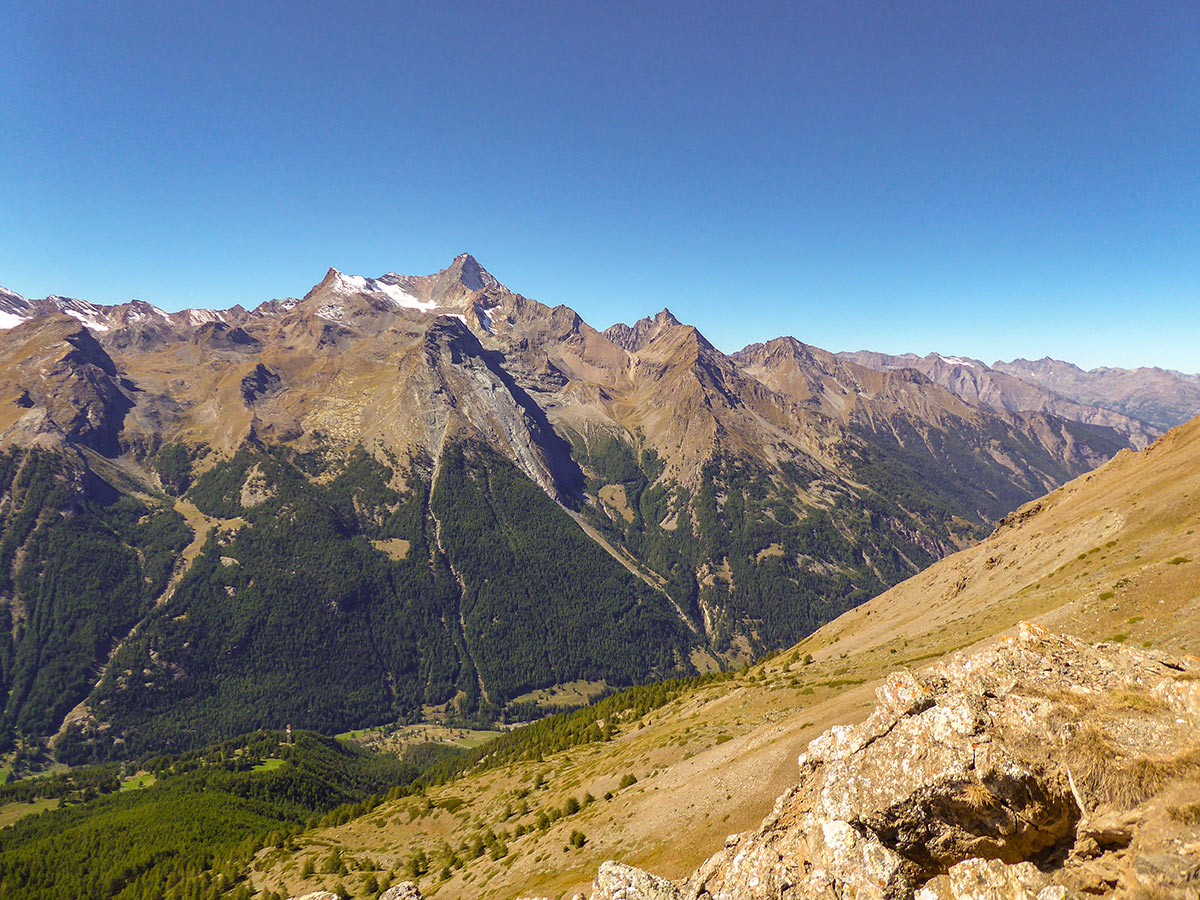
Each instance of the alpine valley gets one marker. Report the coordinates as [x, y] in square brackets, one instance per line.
[405, 499]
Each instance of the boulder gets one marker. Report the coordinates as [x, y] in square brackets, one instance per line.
[615, 881]
[405, 890]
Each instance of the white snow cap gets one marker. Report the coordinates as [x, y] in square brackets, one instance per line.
[80, 309]
[14, 309]
[203, 316]
[955, 360]
[357, 284]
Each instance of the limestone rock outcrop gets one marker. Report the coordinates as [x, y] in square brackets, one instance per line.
[405, 890]
[1040, 768]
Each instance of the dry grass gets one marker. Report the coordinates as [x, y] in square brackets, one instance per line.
[976, 796]
[1188, 814]
[1106, 777]
[1156, 892]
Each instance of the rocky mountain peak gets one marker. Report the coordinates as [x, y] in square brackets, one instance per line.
[459, 283]
[643, 331]
[470, 273]
[7, 296]
[65, 380]
[458, 286]
[14, 309]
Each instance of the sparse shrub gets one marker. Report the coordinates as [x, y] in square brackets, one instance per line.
[1188, 815]
[418, 864]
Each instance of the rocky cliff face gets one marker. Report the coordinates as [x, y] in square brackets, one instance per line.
[61, 387]
[1044, 767]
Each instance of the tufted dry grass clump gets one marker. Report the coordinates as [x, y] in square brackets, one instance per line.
[1143, 892]
[976, 796]
[1189, 814]
[1107, 777]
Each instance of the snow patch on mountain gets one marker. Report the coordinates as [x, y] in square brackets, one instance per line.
[10, 320]
[399, 297]
[203, 316]
[80, 309]
[140, 311]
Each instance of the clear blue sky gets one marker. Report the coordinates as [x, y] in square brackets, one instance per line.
[992, 179]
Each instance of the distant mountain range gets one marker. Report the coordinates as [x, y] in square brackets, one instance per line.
[409, 495]
[1142, 402]
[1161, 397]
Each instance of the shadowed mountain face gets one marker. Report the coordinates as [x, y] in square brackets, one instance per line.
[407, 492]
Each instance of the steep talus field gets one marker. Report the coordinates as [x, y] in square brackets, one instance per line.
[661, 780]
[414, 497]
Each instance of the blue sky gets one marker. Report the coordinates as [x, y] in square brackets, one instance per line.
[991, 179]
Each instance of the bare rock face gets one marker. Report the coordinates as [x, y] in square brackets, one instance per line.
[1040, 768]
[405, 890]
[990, 879]
[615, 881]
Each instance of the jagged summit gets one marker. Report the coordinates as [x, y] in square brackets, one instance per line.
[14, 309]
[456, 286]
[459, 286]
[389, 286]
[470, 273]
[643, 331]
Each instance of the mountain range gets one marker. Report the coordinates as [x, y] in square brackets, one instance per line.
[1112, 559]
[1018, 720]
[407, 496]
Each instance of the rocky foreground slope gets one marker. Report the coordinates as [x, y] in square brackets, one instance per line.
[1042, 767]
